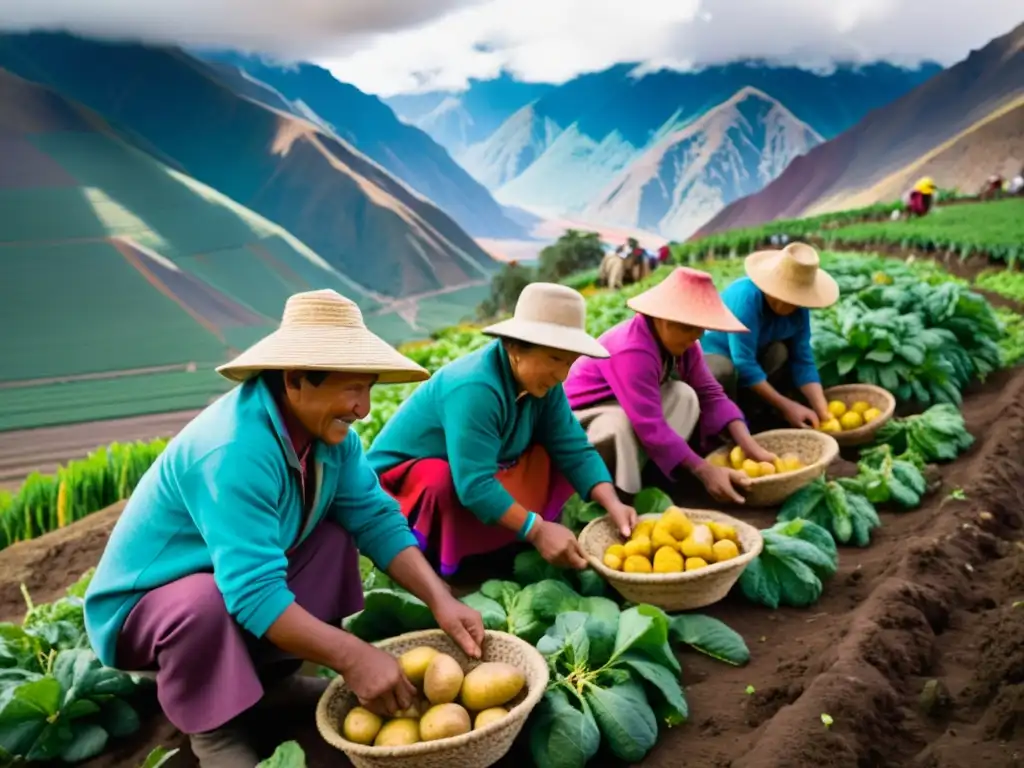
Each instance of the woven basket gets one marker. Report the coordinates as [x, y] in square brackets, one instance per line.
[876, 397]
[815, 449]
[673, 591]
[475, 749]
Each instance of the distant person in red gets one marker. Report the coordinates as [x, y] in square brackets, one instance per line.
[663, 254]
[993, 187]
[920, 199]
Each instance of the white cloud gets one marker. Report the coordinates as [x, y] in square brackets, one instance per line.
[555, 40]
[291, 28]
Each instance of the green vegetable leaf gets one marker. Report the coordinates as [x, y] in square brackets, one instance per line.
[602, 628]
[590, 582]
[759, 584]
[644, 629]
[568, 639]
[493, 615]
[670, 704]
[504, 592]
[389, 612]
[530, 568]
[119, 718]
[563, 735]
[625, 718]
[158, 757]
[87, 741]
[287, 755]
[651, 501]
[709, 636]
[536, 606]
[24, 721]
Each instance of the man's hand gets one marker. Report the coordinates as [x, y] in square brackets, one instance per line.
[624, 517]
[377, 681]
[722, 482]
[800, 416]
[462, 624]
[557, 545]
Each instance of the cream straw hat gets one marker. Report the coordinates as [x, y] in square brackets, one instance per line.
[550, 315]
[324, 331]
[793, 275]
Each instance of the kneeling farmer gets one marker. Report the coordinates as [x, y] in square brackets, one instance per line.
[773, 301]
[489, 451]
[235, 557]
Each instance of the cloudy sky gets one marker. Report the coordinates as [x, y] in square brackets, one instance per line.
[395, 46]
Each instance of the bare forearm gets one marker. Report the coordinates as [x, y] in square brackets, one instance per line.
[740, 434]
[412, 571]
[605, 495]
[301, 634]
[816, 397]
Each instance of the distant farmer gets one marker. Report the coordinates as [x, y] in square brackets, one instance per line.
[993, 187]
[235, 557]
[919, 200]
[632, 407]
[488, 451]
[664, 254]
[773, 301]
[1016, 185]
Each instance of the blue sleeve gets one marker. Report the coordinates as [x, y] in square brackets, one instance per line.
[365, 510]
[743, 347]
[803, 368]
[565, 440]
[231, 495]
[471, 419]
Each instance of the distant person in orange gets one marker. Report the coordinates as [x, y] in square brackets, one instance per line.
[921, 197]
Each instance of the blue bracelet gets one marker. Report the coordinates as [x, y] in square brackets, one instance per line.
[531, 518]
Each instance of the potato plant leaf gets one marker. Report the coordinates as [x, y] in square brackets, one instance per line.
[563, 735]
[709, 636]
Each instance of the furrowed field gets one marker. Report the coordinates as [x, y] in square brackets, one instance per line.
[889, 635]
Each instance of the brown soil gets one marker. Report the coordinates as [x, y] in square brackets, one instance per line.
[914, 650]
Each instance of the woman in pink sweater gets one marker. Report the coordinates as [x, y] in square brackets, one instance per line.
[633, 407]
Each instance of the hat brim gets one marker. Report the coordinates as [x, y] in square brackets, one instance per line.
[548, 335]
[762, 269]
[337, 350]
[708, 318]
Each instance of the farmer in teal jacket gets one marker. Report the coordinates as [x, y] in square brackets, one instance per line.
[774, 301]
[488, 451]
[235, 557]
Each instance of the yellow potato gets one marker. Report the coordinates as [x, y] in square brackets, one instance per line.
[414, 663]
[695, 563]
[613, 561]
[638, 546]
[718, 460]
[661, 536]
[679, 525]
[832, 425]
[668, 560]
[725, 550]
[792, 462]
[751, 468]
[444, 721]
[871, 414]
[637, 564]
[859, 407]
[361, 726]
[851, 420]
[398, 733]
[737, 457]
[767, 468]
[643, 528]
[699, 544]
[492, 684]
[616, 549]
[443, 679]
[488, 716]
[837, 408]
[722, 531]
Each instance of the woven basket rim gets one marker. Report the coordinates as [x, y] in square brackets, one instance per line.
[829, 451]
[537, 666]
[684, 577]
[865, 430]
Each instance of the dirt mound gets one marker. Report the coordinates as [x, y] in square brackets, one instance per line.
[914, 650]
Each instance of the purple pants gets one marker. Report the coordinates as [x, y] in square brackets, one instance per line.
[208, 668]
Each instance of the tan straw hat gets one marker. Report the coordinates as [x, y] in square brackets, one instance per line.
[324, 331]
[550, 315]
[687, 296]
[793, 275]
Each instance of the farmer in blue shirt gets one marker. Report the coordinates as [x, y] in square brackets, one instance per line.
[235, 557]
[773, 301]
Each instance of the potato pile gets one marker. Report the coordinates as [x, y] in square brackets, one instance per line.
[673, 544]
[846, 417]
[737, 459]
[436, 714]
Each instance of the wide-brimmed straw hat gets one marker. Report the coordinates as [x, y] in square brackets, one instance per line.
[687, 296]
[793, 275]
[550, 315]
[324, 331]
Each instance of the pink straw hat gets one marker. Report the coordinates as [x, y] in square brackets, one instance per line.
[688, 296]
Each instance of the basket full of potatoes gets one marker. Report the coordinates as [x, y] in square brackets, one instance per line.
[678, 559]
[468, 712]
[857, 412]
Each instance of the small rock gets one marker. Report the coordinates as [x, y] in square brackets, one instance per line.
[986, 517]
[934, 697]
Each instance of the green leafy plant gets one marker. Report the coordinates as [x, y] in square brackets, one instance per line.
[287, 755]
[838, 506]
[885, 477]
[938, 434]
[798, 556]
[614, 677]
[158, 757]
